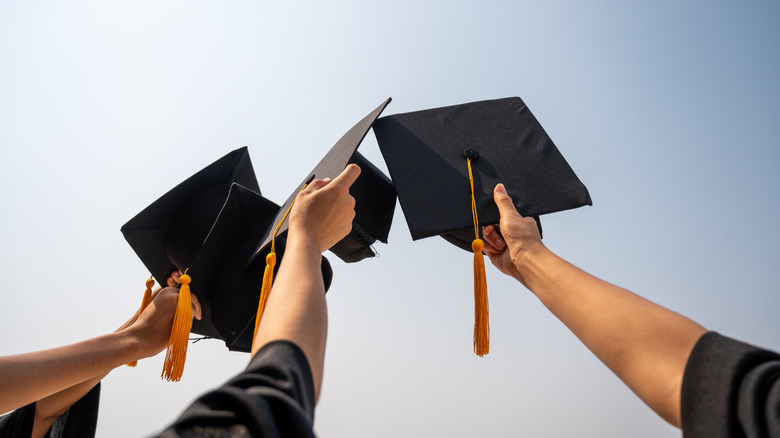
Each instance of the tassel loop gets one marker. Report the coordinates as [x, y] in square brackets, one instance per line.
[173, 367]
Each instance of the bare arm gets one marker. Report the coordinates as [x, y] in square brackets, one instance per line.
[48, 409]
[645, 345]
[296, 310]
[59, 377]
[25, 378]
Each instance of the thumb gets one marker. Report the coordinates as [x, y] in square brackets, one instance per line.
[504, 202]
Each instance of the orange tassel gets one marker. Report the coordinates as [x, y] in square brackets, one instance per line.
[481, 314]
[144, 302]
[173, 368]
[265, 289]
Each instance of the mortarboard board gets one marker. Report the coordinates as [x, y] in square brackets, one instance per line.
[373, 192]
[424, 152]
[215, 215]
[427, 155]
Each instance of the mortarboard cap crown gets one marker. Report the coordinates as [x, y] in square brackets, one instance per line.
[425, 152]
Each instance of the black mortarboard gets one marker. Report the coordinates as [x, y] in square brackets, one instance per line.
[373, 192]
[425, 154]
[445, 163]
[211, 225]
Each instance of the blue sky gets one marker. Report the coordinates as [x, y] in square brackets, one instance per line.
[666, 111]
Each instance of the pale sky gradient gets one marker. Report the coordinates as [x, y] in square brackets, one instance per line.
[666, 111]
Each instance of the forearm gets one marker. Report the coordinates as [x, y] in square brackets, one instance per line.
[296, 309]
[646, 345]
[49, 408]
[25, 378]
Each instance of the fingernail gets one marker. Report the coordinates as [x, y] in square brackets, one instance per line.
[487, 230]
[500, 188]
[500, 242]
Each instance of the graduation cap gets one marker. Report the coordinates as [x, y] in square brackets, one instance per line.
[210, 226]
[445, 163]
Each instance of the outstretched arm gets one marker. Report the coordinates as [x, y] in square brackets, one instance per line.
[646, 345]
[296, 309]
[59, 377]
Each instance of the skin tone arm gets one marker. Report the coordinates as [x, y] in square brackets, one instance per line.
[296, 309]
[647, 346]
[48, 409]
[59, 377]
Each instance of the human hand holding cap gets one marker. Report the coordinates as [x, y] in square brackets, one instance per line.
[324, 210]
[519, 236]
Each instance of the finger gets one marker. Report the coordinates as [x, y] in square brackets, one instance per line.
[318, 184]
[196, 309]
[492, 249]
[504, 202]
[347, 177]
[173, 279]
[493, 239]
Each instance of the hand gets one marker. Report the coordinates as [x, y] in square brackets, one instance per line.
[171, 281]
[520, 237]
[153, 325]
[324, 210]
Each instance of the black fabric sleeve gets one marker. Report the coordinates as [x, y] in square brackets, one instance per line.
[18, 423]
[80, 421]
[730, 389]
[273, 397]
[81, 417]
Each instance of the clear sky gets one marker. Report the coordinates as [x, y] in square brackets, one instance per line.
[666, 110]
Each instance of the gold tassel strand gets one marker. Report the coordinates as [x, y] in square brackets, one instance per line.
[173, 368]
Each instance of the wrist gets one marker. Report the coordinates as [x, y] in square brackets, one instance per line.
[304, 245]
[527, 261]
[134, 344]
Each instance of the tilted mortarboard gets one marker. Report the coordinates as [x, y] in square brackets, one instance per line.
[373, 193]
[445, 162]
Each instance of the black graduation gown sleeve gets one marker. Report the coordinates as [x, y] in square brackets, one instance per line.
[80, 421]
[730, 389]
[273, 397]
